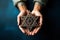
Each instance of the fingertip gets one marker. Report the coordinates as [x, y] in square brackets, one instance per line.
[32, 33]
[21, 29]
[37, 30]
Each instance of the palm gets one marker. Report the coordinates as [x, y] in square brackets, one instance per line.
[18, 20]
[37, 13]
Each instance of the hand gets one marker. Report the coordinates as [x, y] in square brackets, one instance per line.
[36, 13]
[36, 9]
[26, 31]
[24, 12]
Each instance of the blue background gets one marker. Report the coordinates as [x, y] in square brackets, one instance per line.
[8, 22]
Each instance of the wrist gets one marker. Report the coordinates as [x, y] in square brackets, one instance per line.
[22, 6]
[23, 9]
[37, 6]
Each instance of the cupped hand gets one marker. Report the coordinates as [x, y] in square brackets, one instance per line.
[22, 13]
[37, 13]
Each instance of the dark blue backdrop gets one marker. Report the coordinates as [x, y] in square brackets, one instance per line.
[10, 31]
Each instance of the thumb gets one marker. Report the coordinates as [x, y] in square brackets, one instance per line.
[32, 12]
[21, 29]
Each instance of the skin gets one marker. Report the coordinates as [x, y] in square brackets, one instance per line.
[25, 11]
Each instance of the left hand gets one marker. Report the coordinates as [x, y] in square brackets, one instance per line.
[36, 13]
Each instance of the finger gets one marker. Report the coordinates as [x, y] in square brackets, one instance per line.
[21, 29]
[32, 12]
[33, 32]
[41, 20]
[37, 13]
[30, 33]
[27, 32]
[18, 19]
[37, 30]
